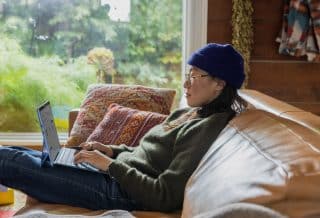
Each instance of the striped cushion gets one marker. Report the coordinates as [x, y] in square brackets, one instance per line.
[123, 125]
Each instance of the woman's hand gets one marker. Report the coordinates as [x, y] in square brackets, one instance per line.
[90, 146]
[95, 158]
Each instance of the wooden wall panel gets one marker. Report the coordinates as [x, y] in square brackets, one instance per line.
[312, 107]
[219, 21]
[291, 79]
[219, 9]
[289, 82]
[219, 33]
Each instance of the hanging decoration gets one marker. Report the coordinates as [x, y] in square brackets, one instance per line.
[300, 32]
[242, 31]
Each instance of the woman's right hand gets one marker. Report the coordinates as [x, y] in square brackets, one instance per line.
[91, 146]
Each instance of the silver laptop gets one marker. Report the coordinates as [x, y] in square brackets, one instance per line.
[52, 150]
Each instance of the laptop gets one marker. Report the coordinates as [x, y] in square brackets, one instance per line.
[52, 150]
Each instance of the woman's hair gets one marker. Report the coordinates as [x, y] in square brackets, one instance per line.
[228, 99]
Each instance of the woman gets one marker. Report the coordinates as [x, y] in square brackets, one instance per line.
[153, 175]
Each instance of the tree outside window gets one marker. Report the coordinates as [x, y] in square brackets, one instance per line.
[44, 47]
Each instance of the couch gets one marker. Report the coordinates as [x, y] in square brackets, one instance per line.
[269, 155]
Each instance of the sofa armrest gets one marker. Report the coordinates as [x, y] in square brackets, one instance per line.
[267, 103]
[272, 105]
[72, 118]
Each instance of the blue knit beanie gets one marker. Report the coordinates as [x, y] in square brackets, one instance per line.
[221, 61]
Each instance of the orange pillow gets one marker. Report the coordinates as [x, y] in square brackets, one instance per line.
[123, 125]
[99, 97]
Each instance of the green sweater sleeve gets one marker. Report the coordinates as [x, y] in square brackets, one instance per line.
[117, 149]
[165, 193]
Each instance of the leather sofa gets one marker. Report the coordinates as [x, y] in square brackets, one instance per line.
[269, 155]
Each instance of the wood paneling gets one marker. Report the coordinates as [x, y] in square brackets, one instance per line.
[290, 79]
[219, 33]
[309, 106]
[291, 82]
[219, 21]
[267, 20]
[219, 9]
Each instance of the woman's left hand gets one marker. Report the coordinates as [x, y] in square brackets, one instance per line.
[95, 158]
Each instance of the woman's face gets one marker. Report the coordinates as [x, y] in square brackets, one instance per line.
[200, 88]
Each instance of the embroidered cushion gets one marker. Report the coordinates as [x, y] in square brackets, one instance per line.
[99, 97]
[123, 125]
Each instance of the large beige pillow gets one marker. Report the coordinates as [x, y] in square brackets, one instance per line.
[99, 97]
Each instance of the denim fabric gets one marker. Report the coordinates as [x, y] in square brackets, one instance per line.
[20, 168]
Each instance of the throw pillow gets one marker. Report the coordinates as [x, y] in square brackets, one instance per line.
[123, 125]
[99, 97]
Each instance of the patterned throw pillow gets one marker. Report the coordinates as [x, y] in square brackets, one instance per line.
[99, 97]
[123, 125]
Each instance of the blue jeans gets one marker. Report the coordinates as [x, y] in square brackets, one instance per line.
[21, 169]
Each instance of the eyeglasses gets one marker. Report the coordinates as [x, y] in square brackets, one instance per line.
[188, 78]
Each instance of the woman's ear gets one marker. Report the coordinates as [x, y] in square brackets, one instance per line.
[220, 84]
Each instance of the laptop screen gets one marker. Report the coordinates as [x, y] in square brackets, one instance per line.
[51, 143]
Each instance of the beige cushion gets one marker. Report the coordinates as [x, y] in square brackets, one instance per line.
[258, 158]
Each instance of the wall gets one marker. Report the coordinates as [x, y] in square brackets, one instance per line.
[291, 79]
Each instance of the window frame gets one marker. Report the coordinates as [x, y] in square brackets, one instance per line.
[194, 32]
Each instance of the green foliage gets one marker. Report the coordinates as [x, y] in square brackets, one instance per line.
[22, 89]
[155, 31]
[149, 75]
[67, 28]
[103, 60]
[153, 56]
[44, 43]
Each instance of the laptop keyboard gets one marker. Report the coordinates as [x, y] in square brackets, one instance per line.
[66, 157]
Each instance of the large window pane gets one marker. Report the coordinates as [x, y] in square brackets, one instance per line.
[53, 49]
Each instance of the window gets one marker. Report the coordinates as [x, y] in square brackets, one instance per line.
[49, 50]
